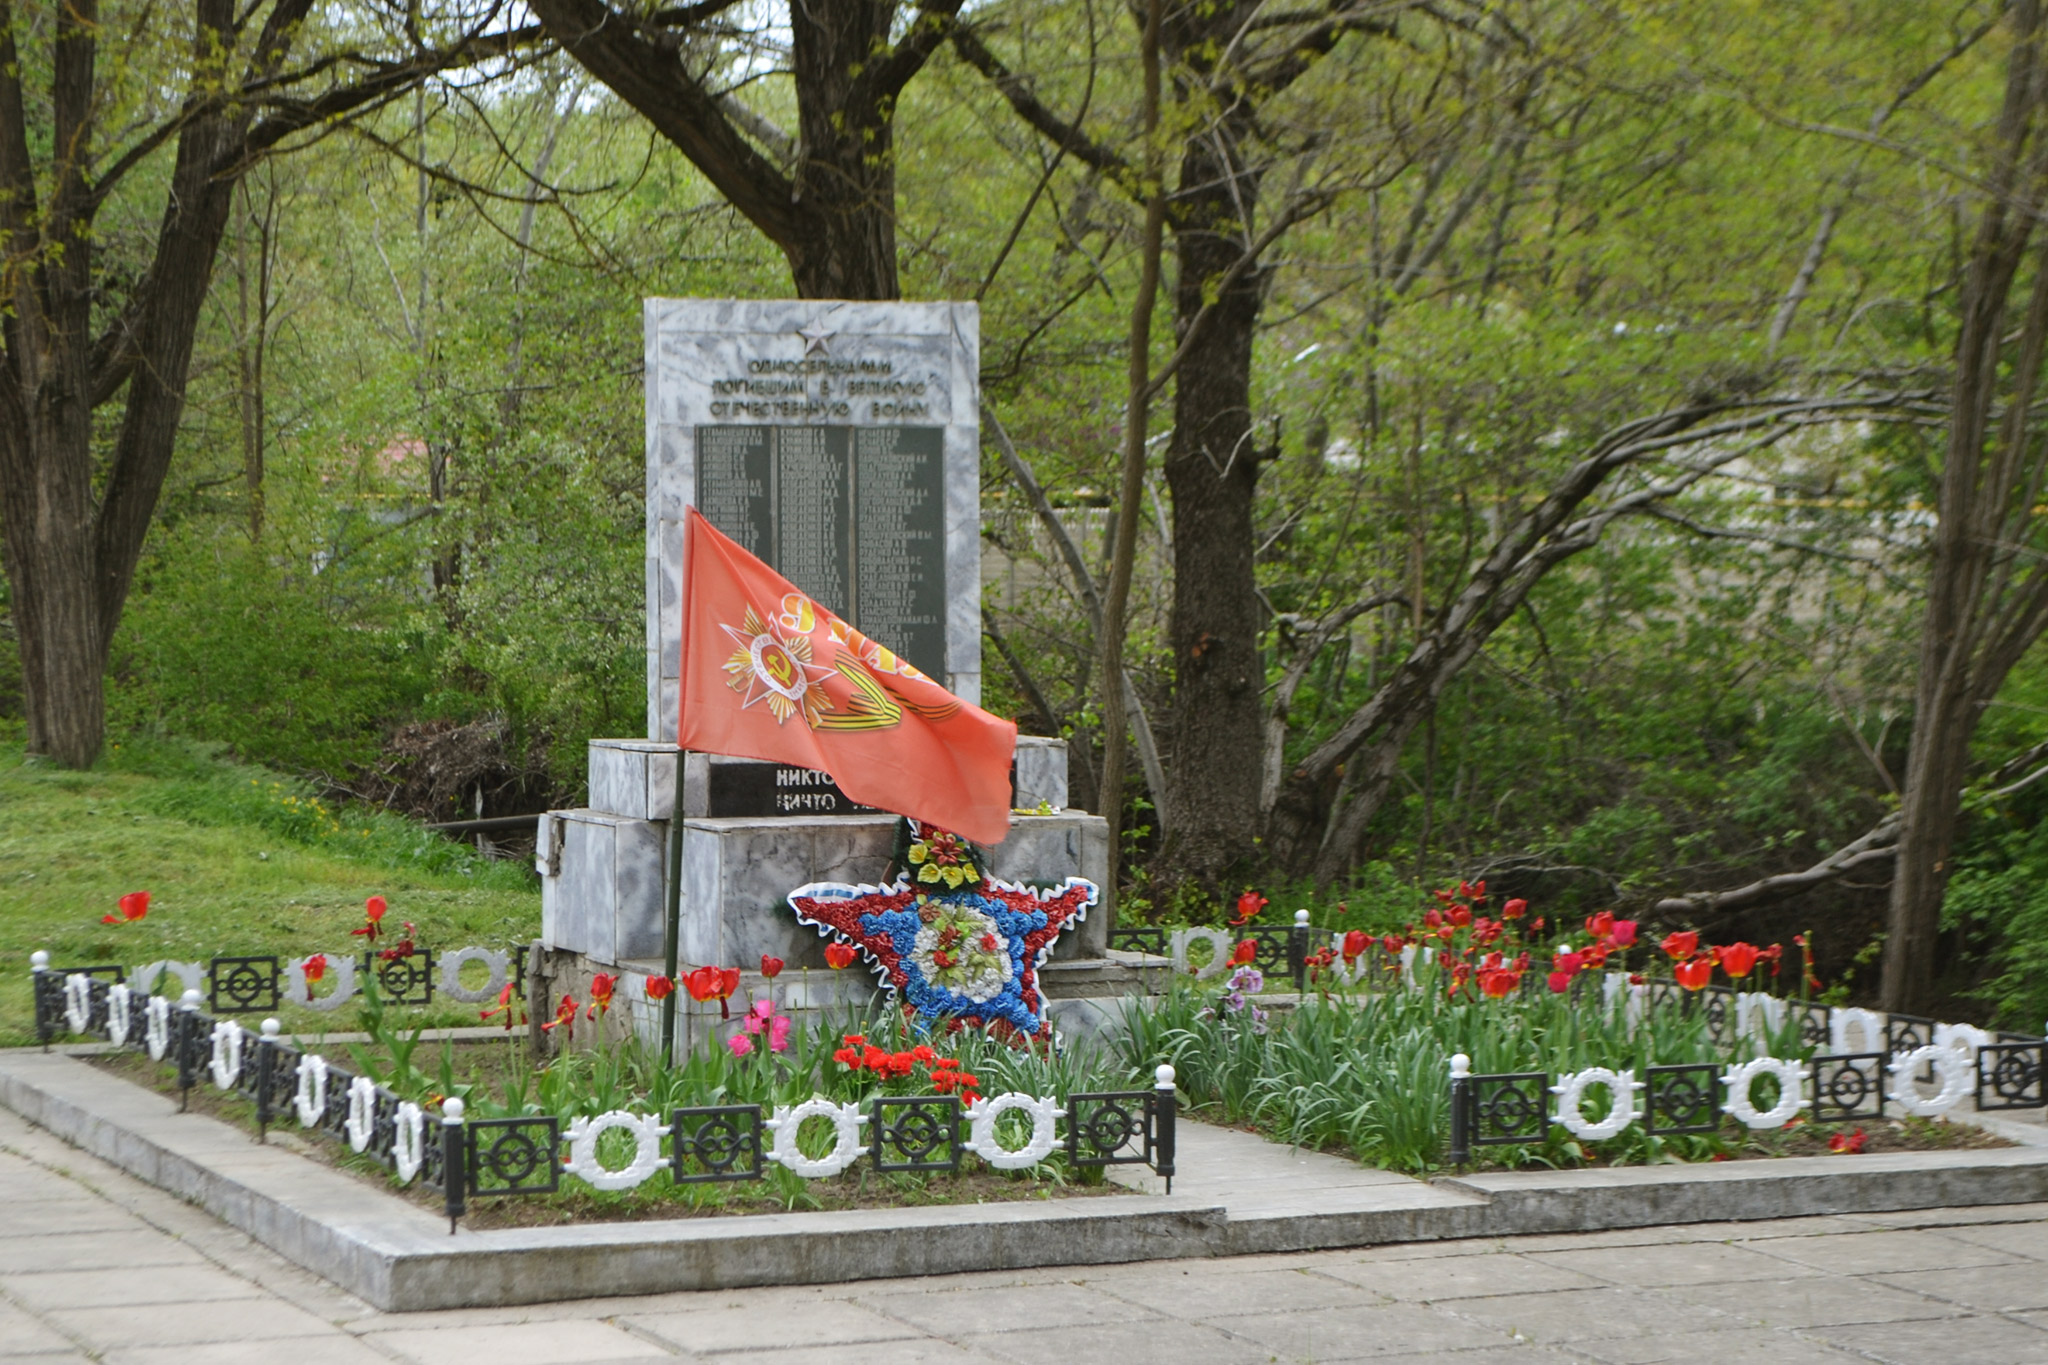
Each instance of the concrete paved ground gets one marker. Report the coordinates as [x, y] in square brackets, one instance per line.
[97, 1266]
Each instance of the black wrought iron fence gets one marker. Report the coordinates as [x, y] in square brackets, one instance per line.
[262, 983]
[464, 1157]
[1514, 1108]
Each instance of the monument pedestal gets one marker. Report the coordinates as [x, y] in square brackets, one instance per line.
[603, 875]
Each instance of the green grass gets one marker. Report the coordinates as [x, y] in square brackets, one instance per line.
[237, 860]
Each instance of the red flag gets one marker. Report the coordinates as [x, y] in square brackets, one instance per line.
[770, 674]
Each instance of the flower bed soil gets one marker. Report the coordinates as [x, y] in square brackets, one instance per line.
[861, 1188]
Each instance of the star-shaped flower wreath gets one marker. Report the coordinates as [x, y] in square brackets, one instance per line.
[970, 954]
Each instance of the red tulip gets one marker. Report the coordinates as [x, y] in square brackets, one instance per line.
[1737, 958]
[565, 1015]
[771, 967]
[1681, 946]
[1560, 982]
[1461, 915]
[134, 906]
[1245, 954]
[601, 988]
[1498, 984]
[1393, 943]
[840, 955]
[1248, 907]
[1355, 944]
[702, 984]
[1623, 934]
[1432, 918]
[1514, 909]
[660, 988]
[504, 1007]
[1848, 1144]
[1694, 975]
[373, 911]
[402, 948]
[1568, 963]
[1599, 925]
[316, 966]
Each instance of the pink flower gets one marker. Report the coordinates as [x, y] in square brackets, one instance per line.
[740, 1044]
[762, 1018]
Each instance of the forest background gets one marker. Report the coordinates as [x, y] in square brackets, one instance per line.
[399, 549]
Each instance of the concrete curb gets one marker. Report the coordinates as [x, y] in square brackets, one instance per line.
[400, 1257]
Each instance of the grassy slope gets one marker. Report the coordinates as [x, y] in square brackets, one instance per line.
[237, 861]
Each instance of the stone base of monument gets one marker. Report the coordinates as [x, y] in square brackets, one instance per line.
[752, 833]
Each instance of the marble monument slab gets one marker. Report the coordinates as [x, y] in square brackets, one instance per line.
[838, 442]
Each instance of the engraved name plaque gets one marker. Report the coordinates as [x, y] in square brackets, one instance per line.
[854, 516]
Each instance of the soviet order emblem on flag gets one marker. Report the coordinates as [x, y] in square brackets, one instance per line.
[767, 673]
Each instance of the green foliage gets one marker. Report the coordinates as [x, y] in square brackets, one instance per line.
[287, 658]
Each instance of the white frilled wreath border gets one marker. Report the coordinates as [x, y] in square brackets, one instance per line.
[1571, 1098]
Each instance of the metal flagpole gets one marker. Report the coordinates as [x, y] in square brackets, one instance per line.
[672, 931]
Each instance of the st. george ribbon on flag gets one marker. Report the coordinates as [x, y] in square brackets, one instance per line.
[767, 673]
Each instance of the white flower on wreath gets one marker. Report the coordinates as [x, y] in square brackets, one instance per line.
[961, 949]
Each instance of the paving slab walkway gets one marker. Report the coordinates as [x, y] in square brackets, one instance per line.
[97, 1266]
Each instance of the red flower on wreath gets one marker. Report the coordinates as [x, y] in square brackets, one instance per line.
[134, 906]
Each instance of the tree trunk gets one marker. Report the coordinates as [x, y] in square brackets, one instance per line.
[1987, 593]
[834, 217]
[49, 523]
[1937, 766]
[1212, 468]
[846, 168]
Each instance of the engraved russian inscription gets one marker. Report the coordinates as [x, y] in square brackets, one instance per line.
[854, 516]
[900, 587]
[732, 483]
[812, 528]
